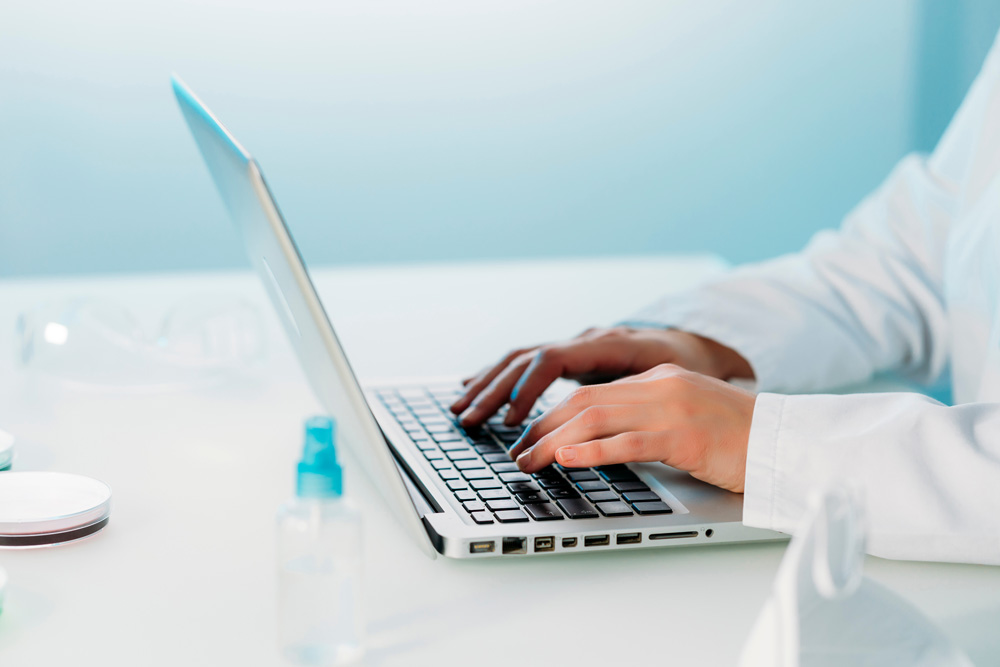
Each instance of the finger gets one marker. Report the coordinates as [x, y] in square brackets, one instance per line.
[629, 447]
[599, 421]
[548, 365]
[483, 380]
[496, 394]
[577, 358]
[578, 401]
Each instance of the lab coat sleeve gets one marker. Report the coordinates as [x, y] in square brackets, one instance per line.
[860, 300]
[929, 472]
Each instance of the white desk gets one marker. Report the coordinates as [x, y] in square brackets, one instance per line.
[183, 575]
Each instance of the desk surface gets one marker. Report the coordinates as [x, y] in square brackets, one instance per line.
[184, 574]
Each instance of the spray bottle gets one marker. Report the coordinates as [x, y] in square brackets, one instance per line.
[319, 560]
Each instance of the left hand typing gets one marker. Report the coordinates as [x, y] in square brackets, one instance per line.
[683, 419]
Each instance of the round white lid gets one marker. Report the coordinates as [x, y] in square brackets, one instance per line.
[50, 503]
[6, 449]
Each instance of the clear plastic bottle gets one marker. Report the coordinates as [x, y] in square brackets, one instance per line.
[320, 619]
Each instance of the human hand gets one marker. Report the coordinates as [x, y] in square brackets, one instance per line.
[596, 355]
[681, 418]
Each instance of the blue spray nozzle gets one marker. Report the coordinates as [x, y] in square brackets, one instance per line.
[319, 474]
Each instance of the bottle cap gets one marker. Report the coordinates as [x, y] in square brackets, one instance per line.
[319, 474]
[6, 450]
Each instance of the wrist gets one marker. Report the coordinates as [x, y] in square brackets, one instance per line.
[726, 363]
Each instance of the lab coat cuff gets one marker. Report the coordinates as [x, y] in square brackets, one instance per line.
[761, 483]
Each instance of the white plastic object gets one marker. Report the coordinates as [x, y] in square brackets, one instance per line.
[6, 450]
[43, 508]
[320, 619]
[823, 611]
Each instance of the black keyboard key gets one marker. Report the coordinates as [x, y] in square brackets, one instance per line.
[601, 496]
[469, 464]
[587, 487]
[522, 487]
[508, 477]
[583, 476]
[506, 466]
[621, 487]
[511, 516]
[482, 517]
[496, 457]
[543, 512]
[528, 498]
[501, 504]
[462, 454]
[493, 494]
[640, 496]
[466, 495]
[652, 508]
[480, 484]
[617, 473]
[457, 485]
[441, 464]
[450, 436]
[453, 445]
[616, 508]
[547, 483]
[477, 474]
[577, 508]
[474, 506]
[547, 473]
[449, 475]
[563, 492]
[506, 430]
[427, 419]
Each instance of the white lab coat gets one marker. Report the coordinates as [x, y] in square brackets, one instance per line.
[910, 283]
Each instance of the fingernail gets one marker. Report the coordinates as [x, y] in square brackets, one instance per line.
[566, 454]
[524, 459]
[466, 416]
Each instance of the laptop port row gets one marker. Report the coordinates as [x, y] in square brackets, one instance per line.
[519, 545]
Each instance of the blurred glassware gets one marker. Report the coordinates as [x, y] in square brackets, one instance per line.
[102, 344]
[823, 611]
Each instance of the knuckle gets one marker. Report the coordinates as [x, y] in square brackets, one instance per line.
[594, 418]
[596, 451]
[633, 444]
[580, 397]
[548, 356]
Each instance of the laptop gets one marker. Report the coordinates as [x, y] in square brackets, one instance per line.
[456, 492]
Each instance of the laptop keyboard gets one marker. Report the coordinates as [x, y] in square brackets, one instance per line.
[475, 466]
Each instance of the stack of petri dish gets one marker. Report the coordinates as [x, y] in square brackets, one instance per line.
[39, 509]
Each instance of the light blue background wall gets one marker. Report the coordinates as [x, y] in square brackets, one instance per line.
[406, 130]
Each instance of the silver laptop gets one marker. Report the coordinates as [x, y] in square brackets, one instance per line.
[456, 492]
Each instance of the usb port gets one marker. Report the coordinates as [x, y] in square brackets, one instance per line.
[596, 541]
[568, 542]
[629, 538]
[481, 547]
[545, 543]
